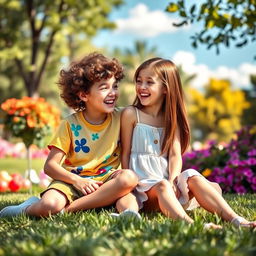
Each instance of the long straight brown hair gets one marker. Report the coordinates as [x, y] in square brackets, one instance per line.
[175, 116]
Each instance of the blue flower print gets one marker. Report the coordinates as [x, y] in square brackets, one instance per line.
[76, 129]
[95, 136]
[81, 145]
[78, 170]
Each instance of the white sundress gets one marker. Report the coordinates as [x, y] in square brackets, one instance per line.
[151, 167]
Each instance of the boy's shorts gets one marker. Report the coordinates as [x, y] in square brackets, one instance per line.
[71, 192]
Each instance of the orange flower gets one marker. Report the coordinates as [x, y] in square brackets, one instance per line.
[207, 172]
[31, 121]
[16, 119]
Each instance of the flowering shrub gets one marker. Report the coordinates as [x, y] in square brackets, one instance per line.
[233, 166]
[30, 119]
[18, 150]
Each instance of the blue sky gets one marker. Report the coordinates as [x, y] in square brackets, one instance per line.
[146, 20]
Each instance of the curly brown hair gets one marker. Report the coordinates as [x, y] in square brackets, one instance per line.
[81, 75]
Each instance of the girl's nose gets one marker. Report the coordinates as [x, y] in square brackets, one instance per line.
[143, 85]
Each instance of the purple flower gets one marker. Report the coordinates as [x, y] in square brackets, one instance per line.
[252, 152]
[247, 172]
[240, 189]
[190, 155]
[253, 186]
[253, 180]
[205, 153]
[251, 161]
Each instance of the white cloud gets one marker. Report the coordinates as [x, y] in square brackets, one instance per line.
[146, 23]
[239, 77]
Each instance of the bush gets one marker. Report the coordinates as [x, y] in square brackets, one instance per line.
[232, 166]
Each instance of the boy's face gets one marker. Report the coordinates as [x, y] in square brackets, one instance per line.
[102, 96]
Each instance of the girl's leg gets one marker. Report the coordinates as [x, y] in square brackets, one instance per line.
[127, 202]
[167, 201]
[210, 199]
[123, 183]
[52, 202]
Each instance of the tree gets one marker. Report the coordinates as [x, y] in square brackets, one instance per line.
[224, 21]
[217, 113]
[29, 29]
[249, 117]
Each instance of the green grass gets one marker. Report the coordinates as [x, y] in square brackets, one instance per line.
[95, 233]
[14, 165]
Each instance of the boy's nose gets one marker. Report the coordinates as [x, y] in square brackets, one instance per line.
[113, 91]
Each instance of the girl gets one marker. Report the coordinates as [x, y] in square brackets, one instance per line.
[154, 135]
[85, 151]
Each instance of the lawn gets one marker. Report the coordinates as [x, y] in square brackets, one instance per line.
[95, 233]
[19, 165]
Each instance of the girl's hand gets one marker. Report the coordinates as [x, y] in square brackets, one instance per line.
[86, 186]
[175, 189]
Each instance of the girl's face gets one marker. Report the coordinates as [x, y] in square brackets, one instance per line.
[149, 87]
[102, 96]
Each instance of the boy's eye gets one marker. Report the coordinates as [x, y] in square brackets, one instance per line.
[115, 86]
[103, 87]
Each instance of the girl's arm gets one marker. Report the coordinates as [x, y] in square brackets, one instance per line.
[175, 159]
[54, 169]
[128, 120]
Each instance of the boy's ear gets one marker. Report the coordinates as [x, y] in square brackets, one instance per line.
[82, 96]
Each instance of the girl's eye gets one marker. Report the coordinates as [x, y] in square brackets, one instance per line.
[115, 86]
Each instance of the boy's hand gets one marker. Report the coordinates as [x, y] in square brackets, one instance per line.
[87, 186]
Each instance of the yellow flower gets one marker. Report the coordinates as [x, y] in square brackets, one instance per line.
[207, 172]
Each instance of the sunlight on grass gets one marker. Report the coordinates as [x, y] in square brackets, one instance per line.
[95, 233]
[13, 165]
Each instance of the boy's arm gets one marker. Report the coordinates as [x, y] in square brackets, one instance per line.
[128, 119]
[54, 169]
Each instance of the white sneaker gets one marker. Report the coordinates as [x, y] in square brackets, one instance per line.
[15, 210]
[128, 213]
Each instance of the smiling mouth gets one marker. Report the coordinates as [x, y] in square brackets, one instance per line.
[109, 102]
[144, 95]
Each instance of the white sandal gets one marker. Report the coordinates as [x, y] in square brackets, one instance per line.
[238, 222]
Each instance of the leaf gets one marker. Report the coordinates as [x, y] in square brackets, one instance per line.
[172, 7]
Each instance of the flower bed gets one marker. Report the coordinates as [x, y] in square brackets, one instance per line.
[18, 150]
[232, 166]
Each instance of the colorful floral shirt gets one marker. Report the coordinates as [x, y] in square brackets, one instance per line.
[91, 150]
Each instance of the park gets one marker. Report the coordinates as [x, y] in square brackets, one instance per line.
[211, 42]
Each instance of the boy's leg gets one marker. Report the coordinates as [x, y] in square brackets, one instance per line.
[51, 202]
[121, 184]
[211, 200]
[15, 210]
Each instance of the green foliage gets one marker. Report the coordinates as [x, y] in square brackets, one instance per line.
[223, 21]
[95, 233]
[217, 113]
[30, 30]
[249, 117]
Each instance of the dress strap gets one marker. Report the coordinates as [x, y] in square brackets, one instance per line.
[137, 115]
